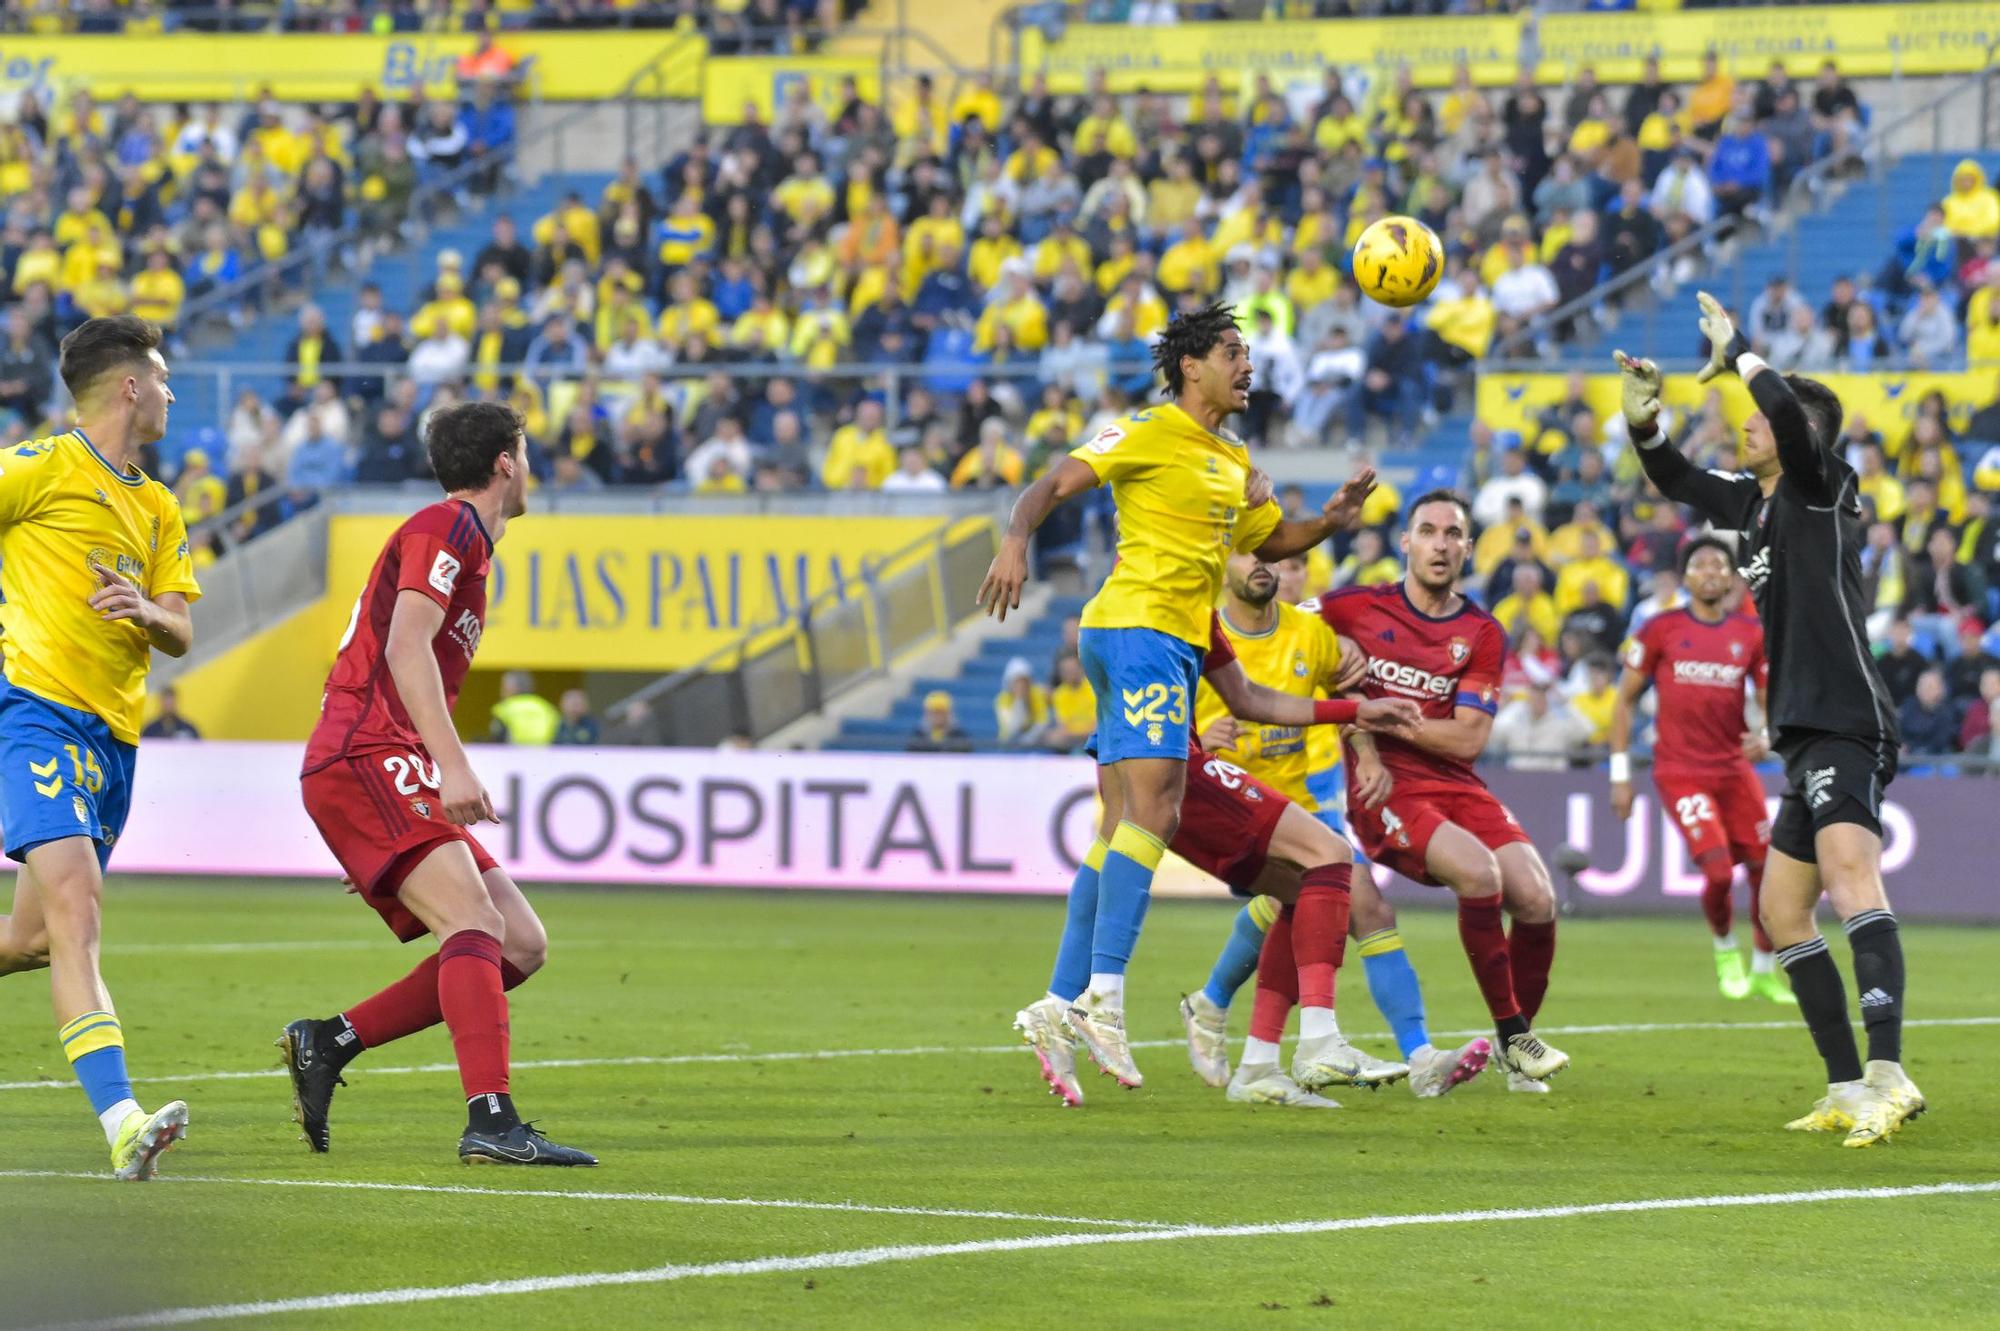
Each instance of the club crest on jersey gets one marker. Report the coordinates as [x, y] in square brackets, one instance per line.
[1153, 732]
[1299, 664]
[1252, 793]
[1459, 649]
[422, 808]
[1736, 650]
[82, 810]
[1212, 467]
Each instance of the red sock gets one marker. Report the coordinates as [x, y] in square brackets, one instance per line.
[475, 1008]
[411, 1004]
[1755, 869]
[1717, 877]
[1319, 931]
[1277, 981]
[1485, 943]
[1532, 950]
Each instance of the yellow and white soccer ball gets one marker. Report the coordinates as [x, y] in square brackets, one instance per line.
[1398, 261]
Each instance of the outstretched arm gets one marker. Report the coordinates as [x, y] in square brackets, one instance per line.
[1716, 498]
[1295, 536]
[1001, 591]
[1804, 462]
[1251, 701]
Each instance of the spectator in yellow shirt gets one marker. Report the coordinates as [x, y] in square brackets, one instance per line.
[1073, 707]
[1878, 486]
[1528, 606]
[1710, 100]
[447, 308]
[1591, 568]
[821, 333]
[1190, 263]
[157, 290]
[1021, 708]
[40, 262]
[993, 463]
[688, 314]
[202, 493]
[105, 294]
[979, 101]
[859, 457]
[990, 253]
[1016, 306]
[1971, 210]
[1982, 321]
[1594, 704]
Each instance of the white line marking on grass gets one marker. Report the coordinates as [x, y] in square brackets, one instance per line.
[911, 1051]
[582, 1195]
[858, 1257]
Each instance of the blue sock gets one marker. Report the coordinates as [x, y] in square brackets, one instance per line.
[1072, 972]
[1238, 960]
[1392, 983]
[94, 1043]
[1125, 889]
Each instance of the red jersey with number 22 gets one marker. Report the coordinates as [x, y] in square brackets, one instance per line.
[444, 553]
[1439, 664]
[1700, 670]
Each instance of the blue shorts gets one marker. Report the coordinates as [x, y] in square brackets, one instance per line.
[1144, 680]
[62, 774]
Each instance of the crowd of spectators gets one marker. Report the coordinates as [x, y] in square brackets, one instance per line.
[724, 322]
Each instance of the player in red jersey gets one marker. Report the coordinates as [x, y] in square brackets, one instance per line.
[1699, 657]
[1235, 828]
[394, 795]
[1440, 825]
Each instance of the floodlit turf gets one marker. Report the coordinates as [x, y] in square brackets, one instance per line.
[1640, 1115]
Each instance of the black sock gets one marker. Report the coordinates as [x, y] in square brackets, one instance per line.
[1823, 1003]
[336, 1042]
[495, 1113]
[1508, 1027]
[1878, 974]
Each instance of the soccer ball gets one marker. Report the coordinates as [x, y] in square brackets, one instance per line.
[1398, 261]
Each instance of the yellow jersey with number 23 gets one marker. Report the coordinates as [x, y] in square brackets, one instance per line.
[1179, 491]
[62, 509]
[1298, 655]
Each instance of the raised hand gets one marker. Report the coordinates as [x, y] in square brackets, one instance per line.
[1724, 342]
[1638, 391]
[1343, 511]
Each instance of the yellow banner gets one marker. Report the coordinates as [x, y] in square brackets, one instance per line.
[574, 592]
[567, 66]
[1180, 58]
[729, 83]
[1867, 40]
[1887, 401]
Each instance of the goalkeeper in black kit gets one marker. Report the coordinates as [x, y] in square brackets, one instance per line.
[1798, 516]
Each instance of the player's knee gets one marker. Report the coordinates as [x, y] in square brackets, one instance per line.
[1531, 899]
[1370, 912]
[527, 947]
[1479, 876]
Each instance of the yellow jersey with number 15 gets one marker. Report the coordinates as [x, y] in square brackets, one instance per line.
[1179, 491]
[1298, 655]
[64, 508]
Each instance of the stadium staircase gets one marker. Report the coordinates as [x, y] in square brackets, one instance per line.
[1852, 234]
[972, 689]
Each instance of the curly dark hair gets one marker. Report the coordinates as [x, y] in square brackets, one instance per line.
[1193, 334]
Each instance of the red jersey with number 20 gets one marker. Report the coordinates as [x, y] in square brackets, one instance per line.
[1439, 664]
[1700, 670]
[442, 552]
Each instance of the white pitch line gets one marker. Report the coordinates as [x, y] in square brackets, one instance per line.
[581, 1195]
[859, 1257]
[911, 1051]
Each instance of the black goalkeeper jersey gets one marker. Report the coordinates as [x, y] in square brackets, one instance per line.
[1801, 554]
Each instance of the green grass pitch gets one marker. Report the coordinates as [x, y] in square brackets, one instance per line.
[204, 976]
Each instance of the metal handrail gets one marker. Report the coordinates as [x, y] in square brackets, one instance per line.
[1801, 187]
[796, 621]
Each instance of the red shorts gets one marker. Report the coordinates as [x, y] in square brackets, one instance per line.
[1720, 810]
[380, 815]
[1399, 832]
[1227, 817]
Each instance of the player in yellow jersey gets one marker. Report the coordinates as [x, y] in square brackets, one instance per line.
[1180, 484]
[95, 573]
[1287, 649]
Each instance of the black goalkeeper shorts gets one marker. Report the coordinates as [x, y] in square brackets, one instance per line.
[1829, 779]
